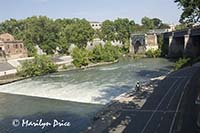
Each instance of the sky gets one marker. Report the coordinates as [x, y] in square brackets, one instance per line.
[92, 10]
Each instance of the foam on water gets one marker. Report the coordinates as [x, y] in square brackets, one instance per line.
[98, 85]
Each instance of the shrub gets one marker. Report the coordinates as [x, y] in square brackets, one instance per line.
[153, 53]
[81, 57]
[38, 66]
[106, 53]
[125, 48]
[182, 62]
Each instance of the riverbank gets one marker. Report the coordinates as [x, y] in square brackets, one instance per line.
[132, 100]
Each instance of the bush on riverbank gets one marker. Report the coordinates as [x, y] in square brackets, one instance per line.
[106, 53]
[81, 57]
[153, 53]
[182, 62]
[38, 66]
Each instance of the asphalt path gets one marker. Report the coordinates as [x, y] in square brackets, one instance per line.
[159, 113]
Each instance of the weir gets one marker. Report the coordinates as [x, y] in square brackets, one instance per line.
[97, 85]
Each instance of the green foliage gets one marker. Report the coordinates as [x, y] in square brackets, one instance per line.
[110, 52]
[49, 34]
[153, 53]
[181, 27]
[79, 32]
[106, 53]
[125, 48]
[57, 35]
[147, 22]
[108, 31]
[119, 30]
[38, 66]
[191, 11]
[163, 48]
[182, 62]
[153, 23]
[81, 57]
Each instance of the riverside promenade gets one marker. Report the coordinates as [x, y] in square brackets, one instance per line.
[165, 106]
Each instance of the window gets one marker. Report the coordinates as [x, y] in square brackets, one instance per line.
[21, 46]
[16, 46]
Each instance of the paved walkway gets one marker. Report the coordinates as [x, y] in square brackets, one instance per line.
[159, 113]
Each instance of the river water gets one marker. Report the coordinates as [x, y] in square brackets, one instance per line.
[74, 96]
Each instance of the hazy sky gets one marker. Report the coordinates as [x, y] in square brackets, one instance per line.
[92, 10]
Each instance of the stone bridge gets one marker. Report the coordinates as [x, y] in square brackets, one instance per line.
[140, 43]
[183, 43]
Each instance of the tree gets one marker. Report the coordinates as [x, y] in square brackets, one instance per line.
[38, 66]
[79, 32]
[147, 22]
[191, 10]
[108, 31]
[81, 57]
[123, 28]
[50, 35]
[156, 23]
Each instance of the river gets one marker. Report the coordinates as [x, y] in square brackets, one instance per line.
[74, 96]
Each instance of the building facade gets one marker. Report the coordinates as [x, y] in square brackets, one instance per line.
[140, 43]
[11, 48]
[95, 25]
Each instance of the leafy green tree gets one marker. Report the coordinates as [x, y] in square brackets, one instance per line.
[154, 23]
[108, 30]
[81, 57]
[124, 28]
[79, 32]
[147, 22]
[50, 35]
[191, 11]
[38, 66]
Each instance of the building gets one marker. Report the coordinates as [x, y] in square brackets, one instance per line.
[96, 25]
[140, 43]
[11, 48]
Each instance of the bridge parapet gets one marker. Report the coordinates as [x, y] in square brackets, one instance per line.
[183, 43]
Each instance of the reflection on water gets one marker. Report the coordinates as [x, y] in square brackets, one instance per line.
[86, 89]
